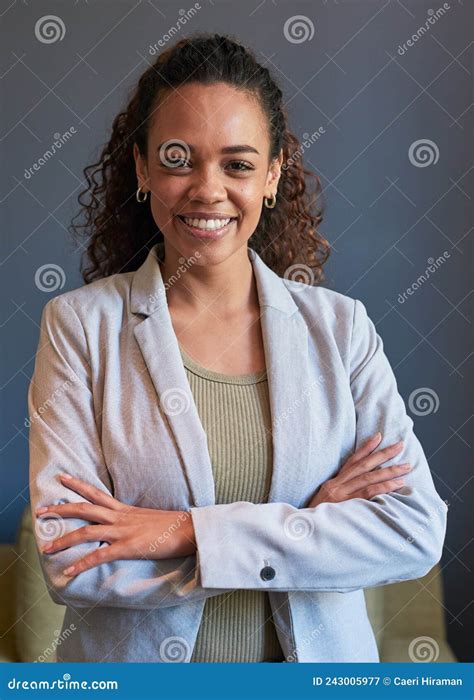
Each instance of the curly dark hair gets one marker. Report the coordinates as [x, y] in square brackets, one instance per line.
[120, 231]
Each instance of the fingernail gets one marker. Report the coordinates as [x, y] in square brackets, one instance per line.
[66, 476]
[377, 435]
[47, 548]
[399, 482]
[69, 570]
[41, 510]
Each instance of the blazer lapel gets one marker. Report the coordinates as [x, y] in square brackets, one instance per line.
[285, 338]
[286, 352]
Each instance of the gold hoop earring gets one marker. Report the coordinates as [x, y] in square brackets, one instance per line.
[273, 201]
[141, 196]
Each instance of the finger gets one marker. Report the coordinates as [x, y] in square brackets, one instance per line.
[368, 447]
[83, 510]
[86, 533]
[377, 489]
[99, 556]
[374, 460]
[376, 476]
[92, 493]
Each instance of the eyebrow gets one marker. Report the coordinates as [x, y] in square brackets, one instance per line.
[240, 148]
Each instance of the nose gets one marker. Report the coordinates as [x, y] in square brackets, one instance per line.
[207, 185]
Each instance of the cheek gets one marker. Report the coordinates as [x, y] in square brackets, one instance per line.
[168, 190]
[249, 197]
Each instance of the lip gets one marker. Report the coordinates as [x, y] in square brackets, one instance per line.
[206, 215]
[206, 235]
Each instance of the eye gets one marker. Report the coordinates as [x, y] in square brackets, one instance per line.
[243, 165]
[175, 163]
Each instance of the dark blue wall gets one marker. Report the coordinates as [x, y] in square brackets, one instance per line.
[392, 206]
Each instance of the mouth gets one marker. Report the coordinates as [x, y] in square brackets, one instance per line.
[217, 229]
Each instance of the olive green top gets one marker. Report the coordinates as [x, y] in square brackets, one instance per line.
[234, 410]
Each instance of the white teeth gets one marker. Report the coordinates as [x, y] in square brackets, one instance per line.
[207, 224]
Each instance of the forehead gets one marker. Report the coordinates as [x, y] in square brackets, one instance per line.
[209, 115]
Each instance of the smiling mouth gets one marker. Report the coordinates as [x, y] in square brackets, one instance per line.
[220, 226]
[218, 222]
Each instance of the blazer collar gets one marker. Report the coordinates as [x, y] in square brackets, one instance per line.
[285, 338]
[148, 292]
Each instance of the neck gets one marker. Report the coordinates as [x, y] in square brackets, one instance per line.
[226, 289]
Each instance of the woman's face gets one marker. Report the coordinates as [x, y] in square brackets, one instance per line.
[190, 170]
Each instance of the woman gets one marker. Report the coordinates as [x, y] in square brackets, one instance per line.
[207, 435]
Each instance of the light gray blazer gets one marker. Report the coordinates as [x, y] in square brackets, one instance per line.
[109, 402]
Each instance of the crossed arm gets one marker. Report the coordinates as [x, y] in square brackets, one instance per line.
[350, 545]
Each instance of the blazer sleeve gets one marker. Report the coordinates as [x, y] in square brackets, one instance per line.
[343, 546]
[64, 438]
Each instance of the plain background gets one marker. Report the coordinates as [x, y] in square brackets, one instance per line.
[388, 211]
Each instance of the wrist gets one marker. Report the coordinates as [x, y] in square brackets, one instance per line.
[188, 535]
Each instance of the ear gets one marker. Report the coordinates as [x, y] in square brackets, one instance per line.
[140, 167]
[274, 173]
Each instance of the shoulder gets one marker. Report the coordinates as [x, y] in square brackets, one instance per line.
[336, 321]
[106, 297]
[322, 305]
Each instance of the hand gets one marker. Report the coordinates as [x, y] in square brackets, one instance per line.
[357, 478]
[132, 532]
